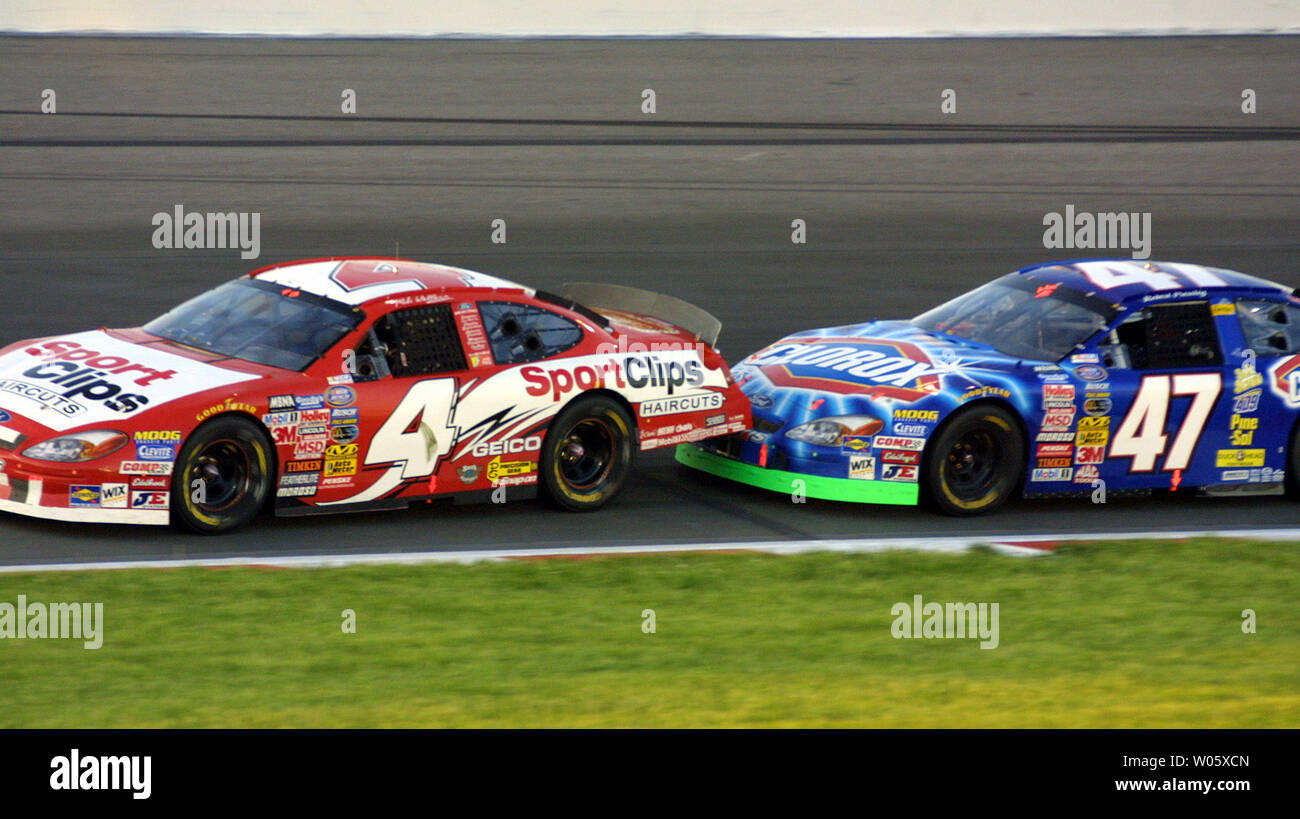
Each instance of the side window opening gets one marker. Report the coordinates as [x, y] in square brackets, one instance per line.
[1269, 327]
[415, 341]
[1165, 336]
[521, 332]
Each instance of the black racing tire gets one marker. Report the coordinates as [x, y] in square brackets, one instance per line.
[588, 454]
[233, 457]
[975, 462]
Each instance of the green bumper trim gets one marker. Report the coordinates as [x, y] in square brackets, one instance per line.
[814, 486]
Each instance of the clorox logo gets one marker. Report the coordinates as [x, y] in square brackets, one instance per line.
[866, 366]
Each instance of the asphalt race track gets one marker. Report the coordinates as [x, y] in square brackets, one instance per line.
[905, 206]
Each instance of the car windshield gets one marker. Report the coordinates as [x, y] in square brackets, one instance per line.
[260, 322]
[1021, 316]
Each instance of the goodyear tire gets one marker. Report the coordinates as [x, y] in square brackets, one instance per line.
[231, 456]
[588, 454]
[975, 462]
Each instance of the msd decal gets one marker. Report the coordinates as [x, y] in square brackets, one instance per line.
[867, 366]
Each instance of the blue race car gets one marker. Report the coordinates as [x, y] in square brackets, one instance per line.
[1067, 376]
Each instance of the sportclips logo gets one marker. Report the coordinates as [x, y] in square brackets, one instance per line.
[72, 373]
[636, 372]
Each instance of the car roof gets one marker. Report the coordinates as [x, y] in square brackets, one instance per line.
[359, 280]
[1184, 277]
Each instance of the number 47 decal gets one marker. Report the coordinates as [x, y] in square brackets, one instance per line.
[1142, 434]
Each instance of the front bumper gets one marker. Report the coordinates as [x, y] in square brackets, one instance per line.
[37, 494]
[783, 481]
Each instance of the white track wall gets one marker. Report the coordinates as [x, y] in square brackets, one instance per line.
[762, 18]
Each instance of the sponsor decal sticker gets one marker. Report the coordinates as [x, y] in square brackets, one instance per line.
[340, 396]
[1055, 450]
[1246, 402]
[1242, 430]
[982, 392]
[498, 469]
[145, 468]
[151, 500]
[157, 445]
[695, 402]
[896, 456]
[898, 472]
[82, 496]
[1055, 436]
[895, 442]
[1223, 308]
[1086, 474]
[862, 467]
[507, 446]
[1096, 406]
[1058, 395]
[300, 479]
[153, 483]
[1092, 437]
[347, 415]
[1239, 457]
[1090, 455]
[302, 466]
[1092, 372]
[855, 443]
[113, 495]
[1048, 475]
[911, 429]
[1058, 418]
[467, 473]
[345, 434]
[309, 402]
[280, 403]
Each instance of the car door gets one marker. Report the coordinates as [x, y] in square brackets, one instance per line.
[394, 423]
[1157, 409]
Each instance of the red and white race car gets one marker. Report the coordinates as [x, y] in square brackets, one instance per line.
[345, 384]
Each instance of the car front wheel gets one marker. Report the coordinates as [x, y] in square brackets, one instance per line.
[222, 477]
[975, 462]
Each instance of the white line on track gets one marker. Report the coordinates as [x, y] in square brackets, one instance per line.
[1017, 545]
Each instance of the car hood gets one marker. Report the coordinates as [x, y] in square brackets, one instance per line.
[875, 366]
[99, 378]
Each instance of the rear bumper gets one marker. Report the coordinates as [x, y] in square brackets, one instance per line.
[813, 486]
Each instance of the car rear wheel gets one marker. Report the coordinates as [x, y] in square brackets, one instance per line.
[975, 462]
[588, 454]
[222, 477]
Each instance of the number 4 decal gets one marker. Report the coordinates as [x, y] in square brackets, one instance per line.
[1142, 434]
[412, 438]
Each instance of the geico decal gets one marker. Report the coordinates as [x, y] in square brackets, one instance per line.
[508, 446]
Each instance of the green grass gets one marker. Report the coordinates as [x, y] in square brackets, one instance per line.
[1120, 634]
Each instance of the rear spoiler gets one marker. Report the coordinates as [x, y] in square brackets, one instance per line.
[656, 305]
